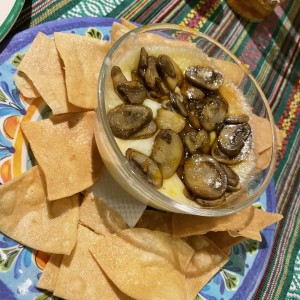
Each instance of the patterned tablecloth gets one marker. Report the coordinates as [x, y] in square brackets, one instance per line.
[271, 49]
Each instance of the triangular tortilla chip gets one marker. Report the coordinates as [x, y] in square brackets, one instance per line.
[207, 260]
[155, 220]
[41, 64]
[66, 151]
[49, 276]
[144, 264]
[25, 85]
[186, 225]
[98, 216]
[27, 217]
[261, 219]
[264, 159]
[127, 24]
[223, 239]
[80, 277]
[117, 31]
[82, 57]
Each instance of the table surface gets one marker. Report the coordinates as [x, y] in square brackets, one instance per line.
[271, 49]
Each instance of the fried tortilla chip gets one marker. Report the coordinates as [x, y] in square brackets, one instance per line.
[27, 217]
[186, 225]
[41, 64]
[127, 24]
[264, 159]
[117, 31]
[207, 260]
[223, 239]
[261, 219]
[82, 57]
[66, 151]
[49, 276]
[144, 264]
[80, 277]
[98, 216]
[262, 133]
[25, 85]
[155, 220]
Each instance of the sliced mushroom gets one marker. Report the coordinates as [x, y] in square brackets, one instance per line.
[127, 119]
[232, 138]
[193, 93]
[136, 76]
[213, 112]
[151, 74]
[167, 151]
[211, 203]
[166, 119]
[171, 73]
[118, 78]
[194, 118]
[178, 103]
[232, 178]
[197, 142]
[146, 132]
[161, 87]
[146, 166]
[132, 92]
[237, 119]
[143, 62]
[205, 77]
[224, 159]
[205, 177]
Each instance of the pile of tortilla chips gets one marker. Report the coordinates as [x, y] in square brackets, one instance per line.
[93, 252]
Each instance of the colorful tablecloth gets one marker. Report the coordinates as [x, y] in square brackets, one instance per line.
[271, 49]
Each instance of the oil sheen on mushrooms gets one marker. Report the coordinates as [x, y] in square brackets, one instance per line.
[194, 134]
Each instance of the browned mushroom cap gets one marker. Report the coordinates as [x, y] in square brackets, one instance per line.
[117, 77]
[127, 119]
[178, 103]
[194, 118]
[143, 62]
[232, 138]
[171, 73]
[132, 92]
[160, 85]
[136, 76]
[151, 74]
[232, 178]
[197, 141]
[205, 77]
[146, 132]
[237, 119]
[146, 166]
[213, 112]
[205, 177]
[193, 93]
[167, 151]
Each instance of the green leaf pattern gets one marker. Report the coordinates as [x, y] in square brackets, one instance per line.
[17, 59]
[231, 280]
[94, 33]
[7, 257]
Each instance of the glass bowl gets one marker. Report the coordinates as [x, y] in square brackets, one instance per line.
[186, 42]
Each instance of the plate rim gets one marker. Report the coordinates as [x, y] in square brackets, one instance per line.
[25, 37]
[11, 18]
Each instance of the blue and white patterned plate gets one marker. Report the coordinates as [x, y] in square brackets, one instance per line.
[20, 267]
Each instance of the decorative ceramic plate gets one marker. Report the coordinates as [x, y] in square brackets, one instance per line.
[9, 12]
[20, 267]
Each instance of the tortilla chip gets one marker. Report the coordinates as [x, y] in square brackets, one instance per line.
[25, 85]
[155, 220]
[128, 24]
[49, 276]
[117, 31]
[79, 276]
[144, 264]
[223, 239]
[186, 225]
[99, 217]
[82, 57]
[27, 217]
[261, 133]
[261, 219]
[66, 151]
[41, 64]
[207, 260]
[264, 159]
